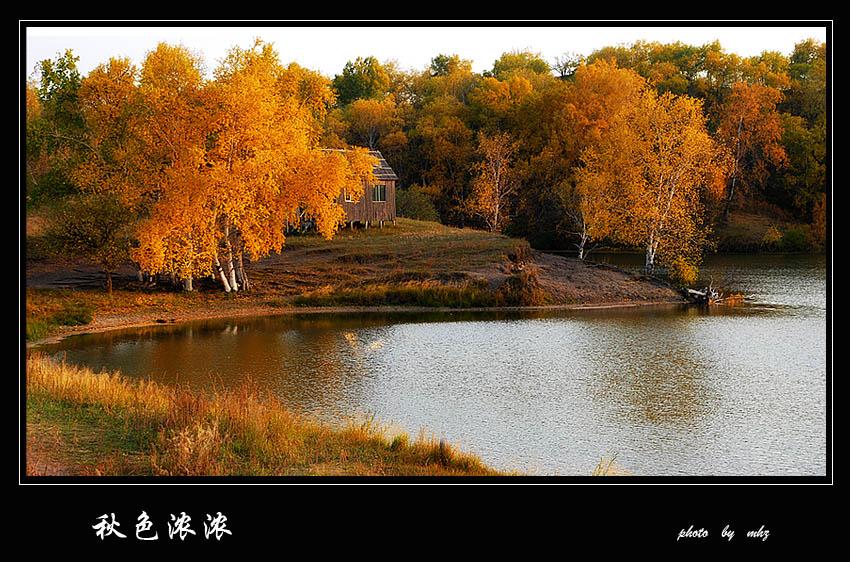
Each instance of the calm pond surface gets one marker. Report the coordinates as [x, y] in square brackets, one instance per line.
[669, 390]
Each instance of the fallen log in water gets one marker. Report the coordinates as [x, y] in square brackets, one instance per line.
[710, 295]
[695, 296]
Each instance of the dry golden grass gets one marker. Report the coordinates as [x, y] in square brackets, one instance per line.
[133, 428]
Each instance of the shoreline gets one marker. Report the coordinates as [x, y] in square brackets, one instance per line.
[131, 321]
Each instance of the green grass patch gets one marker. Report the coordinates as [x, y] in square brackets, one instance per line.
[63, 312]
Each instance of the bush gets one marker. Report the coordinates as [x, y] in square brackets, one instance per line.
[772, 237]
[413, 203]
[683, 272]
[795, 239]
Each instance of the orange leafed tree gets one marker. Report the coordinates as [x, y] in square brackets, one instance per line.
[233, 162]
[172, 126]
[601, 95]
[751, 128]
[266, 168]
[675, 166]
[661, 163]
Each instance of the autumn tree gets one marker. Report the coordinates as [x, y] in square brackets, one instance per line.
[750, 128]
[567, 141]
[266, 169]
[370, 120]
[667, 164]
[150, 151]
[496, 105]
[592, 203]
[494, 181]
[238, 160]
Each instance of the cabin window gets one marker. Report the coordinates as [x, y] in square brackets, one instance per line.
[379, 193]
[347, 196]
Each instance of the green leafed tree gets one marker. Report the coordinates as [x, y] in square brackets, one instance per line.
[361, 79]
[95, 227]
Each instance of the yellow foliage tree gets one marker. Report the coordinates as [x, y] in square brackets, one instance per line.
[219, 167]
[600, 95]
[672, 165]
[173, 127]
[370, 119]
[266, 169]
[659, 163]
[495, 180]
[751, 128]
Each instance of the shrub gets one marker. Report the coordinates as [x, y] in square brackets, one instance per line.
[795, 239]
[683, 272]
[771, 237]
[413, 203]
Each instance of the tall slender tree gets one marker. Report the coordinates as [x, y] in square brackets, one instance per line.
[495, 180]
[751, 128]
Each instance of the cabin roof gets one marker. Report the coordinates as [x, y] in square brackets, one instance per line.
[382, 170]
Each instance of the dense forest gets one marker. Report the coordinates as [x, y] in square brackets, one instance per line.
[647, 146]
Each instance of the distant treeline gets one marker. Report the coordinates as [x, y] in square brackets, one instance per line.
[648, 145]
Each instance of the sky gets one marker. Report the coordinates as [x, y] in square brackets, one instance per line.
[326, 49]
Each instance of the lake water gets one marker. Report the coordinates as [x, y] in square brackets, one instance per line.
[670, 390]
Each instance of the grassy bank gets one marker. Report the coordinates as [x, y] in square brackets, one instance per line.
[100, 424]
[760, 233]
[413, 263]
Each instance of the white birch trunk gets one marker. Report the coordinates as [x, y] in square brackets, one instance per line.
[231, 274]
[651, 248]
[581, 245]
[231, 270]
[221, 275]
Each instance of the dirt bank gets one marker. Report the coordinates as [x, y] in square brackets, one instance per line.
[411, 252]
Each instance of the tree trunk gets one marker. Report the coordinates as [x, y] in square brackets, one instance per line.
[187, 284]
[581, 245]
[735, 169]
[109, 283]
[221, 275]
[650, 257]
[243, 276]
[231, 274]
[231, 270]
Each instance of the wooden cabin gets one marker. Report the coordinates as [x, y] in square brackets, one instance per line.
[377, 204]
